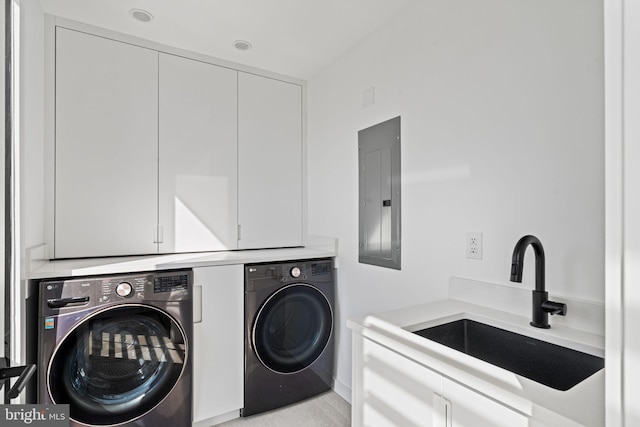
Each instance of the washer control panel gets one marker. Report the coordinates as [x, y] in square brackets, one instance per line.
[119, 288]
[80, 293]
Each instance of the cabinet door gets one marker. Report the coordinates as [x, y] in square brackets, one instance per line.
[393, 390]
[106, 141]
[218, 341]
[472, 409]
[198, 156]
[269, 163]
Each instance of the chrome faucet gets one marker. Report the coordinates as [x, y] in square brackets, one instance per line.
[541, 305]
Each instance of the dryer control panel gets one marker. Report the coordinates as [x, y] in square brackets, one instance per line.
[259, 276]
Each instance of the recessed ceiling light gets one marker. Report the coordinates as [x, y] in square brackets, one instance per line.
[242, 45]
[141, 15]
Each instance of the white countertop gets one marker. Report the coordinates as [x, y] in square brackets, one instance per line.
[115, 265]
[581, 405]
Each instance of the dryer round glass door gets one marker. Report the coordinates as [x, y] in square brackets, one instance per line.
[292, 328]
[118, 364]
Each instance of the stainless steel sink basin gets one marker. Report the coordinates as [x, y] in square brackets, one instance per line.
[552, 365]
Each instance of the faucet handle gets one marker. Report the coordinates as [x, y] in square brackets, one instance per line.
[553, 307]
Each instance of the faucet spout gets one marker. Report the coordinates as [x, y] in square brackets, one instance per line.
[517, 260]
[541, 307]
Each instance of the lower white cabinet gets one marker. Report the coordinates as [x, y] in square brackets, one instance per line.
[218, 368]
[468, 408]
[390, 389]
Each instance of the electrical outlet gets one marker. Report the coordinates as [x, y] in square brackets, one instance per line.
[474, 245]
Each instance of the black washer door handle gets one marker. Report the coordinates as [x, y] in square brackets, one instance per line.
[63, 302]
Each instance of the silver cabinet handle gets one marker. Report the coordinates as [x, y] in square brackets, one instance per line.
[197, 304]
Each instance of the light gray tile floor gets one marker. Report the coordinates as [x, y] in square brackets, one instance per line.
[325, 410]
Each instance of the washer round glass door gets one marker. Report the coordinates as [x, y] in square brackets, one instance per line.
[292, 328]
[118, 364]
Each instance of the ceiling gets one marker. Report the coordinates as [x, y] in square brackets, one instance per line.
[291, 37]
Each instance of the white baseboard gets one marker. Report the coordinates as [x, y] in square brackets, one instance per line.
[342, 390]
[209, 422]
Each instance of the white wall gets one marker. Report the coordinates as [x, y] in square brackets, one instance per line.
[614, 16]
[631, 215]
[622, 36]
[502, 133]
[30, 154]
[2, 180]
[32, 124]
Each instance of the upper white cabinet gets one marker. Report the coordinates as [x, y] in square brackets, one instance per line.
[159, 152]
[198, 156]
[269, 162]
[106, 147]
